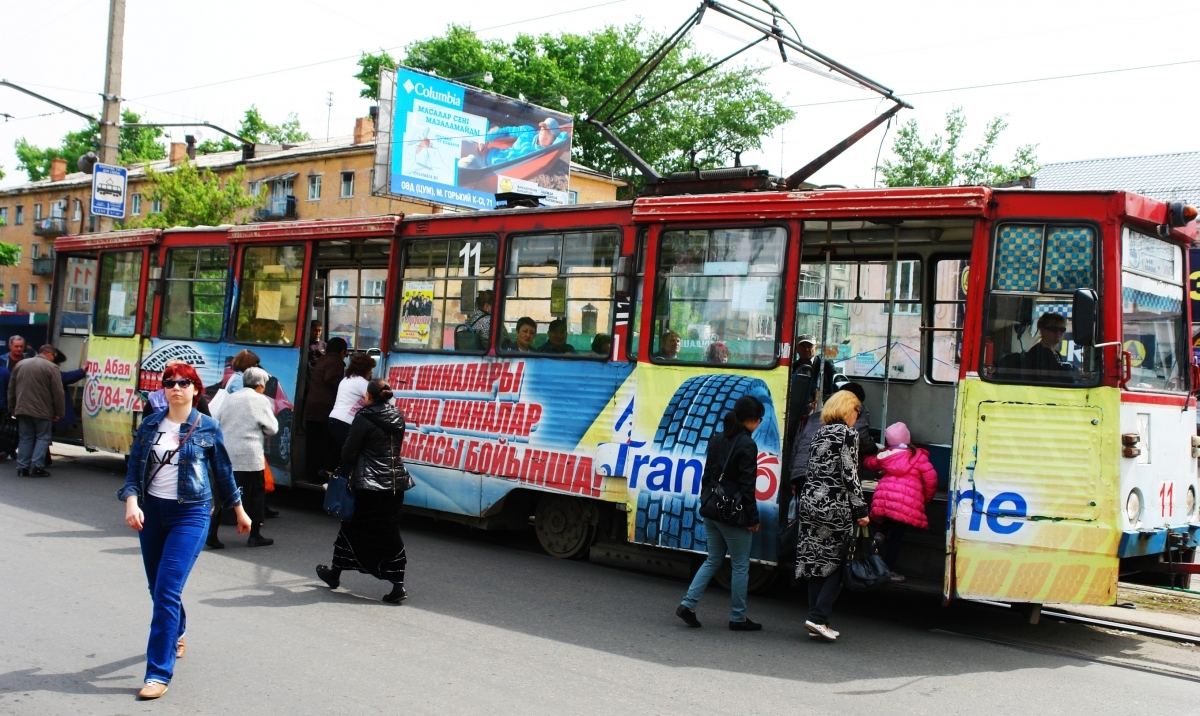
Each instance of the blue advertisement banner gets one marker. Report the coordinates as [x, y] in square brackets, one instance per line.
[461, 146]
[212, 362]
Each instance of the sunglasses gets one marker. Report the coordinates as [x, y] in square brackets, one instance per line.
[1055, 329]
[181, 383]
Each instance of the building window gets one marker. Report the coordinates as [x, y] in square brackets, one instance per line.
[135, 205]
[20, 215]
[3, 215]
[37, 211]
[347, 185]
[314, 187]
[77, 210]
[36, 250]
[573, 197]
[253, 188]
[58, 209]
[156, 206]
[33, 292]
[16, 293]
[194, 299]
[49, 293]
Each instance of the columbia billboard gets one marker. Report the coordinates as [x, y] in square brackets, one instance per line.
[446, 143]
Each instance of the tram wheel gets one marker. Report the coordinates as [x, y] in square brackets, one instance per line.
[762, 576]
[564, 526]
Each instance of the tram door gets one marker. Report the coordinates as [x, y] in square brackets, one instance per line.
[349, 285]
[76, 284]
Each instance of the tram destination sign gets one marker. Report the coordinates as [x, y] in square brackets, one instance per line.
[108, 190]
[446, 143]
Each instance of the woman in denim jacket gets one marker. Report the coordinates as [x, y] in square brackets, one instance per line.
[177, 458]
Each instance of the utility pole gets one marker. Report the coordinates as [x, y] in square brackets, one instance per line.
[329, 114]
[110, 119]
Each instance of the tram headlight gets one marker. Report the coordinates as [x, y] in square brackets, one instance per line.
[1133, 506]
[1191, 502]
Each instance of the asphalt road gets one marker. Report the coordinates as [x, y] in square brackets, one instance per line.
[493, 626]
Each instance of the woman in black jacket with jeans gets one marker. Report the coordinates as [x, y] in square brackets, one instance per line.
[370, 541]
[732, 459]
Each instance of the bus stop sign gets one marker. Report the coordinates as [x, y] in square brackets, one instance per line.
[108, 190]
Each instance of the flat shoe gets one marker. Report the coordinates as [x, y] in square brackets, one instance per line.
[744, 626]
[214, 544]
[328, 576]
[270, 513]
[180, 649]
[260, 542]
[688, 616]
[152, 690]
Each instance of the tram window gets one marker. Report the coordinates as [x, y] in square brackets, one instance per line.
[77, 304]
[116, 304]
[855, 331]
[446, 297]
[269, 304]
[717, 295]
[635, 328]
[194, 299]
[1036, 269]
[355, 301]
[1152, 320]
[559, 292]
[949, 313]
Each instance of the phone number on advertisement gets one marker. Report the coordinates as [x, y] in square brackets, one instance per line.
[100, 396]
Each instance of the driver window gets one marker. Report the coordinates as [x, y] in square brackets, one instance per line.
[269, 305]
[1028, 339]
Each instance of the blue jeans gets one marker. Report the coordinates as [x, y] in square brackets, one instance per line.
[33, 441]
[172, 537]
[737, 541]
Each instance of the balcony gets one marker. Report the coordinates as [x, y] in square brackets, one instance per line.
[53, 227]
[278, 208]
[43, 266]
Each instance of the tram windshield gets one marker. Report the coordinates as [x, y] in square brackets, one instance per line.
[1028, 338]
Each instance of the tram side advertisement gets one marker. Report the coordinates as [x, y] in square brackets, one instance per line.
[457, 145]
[584, 428]
[110, 395]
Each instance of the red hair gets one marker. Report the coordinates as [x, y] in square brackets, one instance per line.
[176, 371]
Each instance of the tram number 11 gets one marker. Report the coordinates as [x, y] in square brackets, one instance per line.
[1166, 498]
[469, 250]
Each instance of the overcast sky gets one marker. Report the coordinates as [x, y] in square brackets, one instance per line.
[186, 61]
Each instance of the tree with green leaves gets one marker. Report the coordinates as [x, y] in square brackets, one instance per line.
[136, 144]
[726, 111]
[258, 130]
[937, 161]
[192, 197]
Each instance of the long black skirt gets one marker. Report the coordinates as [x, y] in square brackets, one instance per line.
[370, 542]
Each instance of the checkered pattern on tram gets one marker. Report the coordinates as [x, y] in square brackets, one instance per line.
[1018, 258]
[1069, 253]
[1147, 301]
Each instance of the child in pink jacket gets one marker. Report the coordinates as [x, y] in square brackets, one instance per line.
[908, 483]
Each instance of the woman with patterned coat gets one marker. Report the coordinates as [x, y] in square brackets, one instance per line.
[831, 501]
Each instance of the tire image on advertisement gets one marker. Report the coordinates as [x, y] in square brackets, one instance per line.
[692, 417]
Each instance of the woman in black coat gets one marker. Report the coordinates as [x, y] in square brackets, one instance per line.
[732, 461]
[370, 541]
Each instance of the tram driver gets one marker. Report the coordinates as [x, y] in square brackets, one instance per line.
[1044, 357]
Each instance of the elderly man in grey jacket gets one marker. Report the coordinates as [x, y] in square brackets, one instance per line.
[247, 417]
[36, 399]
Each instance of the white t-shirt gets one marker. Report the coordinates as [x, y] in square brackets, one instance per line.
[165, 484]
[351, 396]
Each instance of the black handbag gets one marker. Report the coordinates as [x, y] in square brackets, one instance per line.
[722, 506]
[8, 434]
[864, 568]
[789, 537]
